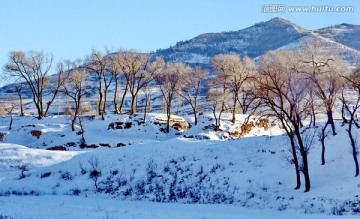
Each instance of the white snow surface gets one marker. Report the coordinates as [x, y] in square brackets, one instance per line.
[60, 207]
[198, 173]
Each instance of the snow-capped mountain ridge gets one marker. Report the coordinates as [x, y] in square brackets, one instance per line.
[254, 41]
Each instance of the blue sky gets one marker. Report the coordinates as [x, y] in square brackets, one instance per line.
[71, 28]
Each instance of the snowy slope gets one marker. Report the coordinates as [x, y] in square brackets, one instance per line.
[251, 172]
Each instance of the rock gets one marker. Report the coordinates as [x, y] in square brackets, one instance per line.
[115, 125]
[111, 126]
[92, 146]
[105, 145]
[120, 144]
[83, 145]
[57, 148]
[188, 136]
[128, 125]
[70, 144]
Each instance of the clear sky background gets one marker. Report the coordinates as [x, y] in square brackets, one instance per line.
[70, 29]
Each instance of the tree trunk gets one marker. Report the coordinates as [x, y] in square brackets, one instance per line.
[313, 114]
[82, 131]
[133, 104]
[21, 105]
[123, 98]
[295, 160]
[331, 120]
[233, 120]
[100, 102]
[11, 121]
[322, 139]
[195, 116]
[168, 112]
[216, 121]
[353, 145]
[41, 107]
[115, 96]
[145, 108]
[100, 96]
[77, 106]
[38, 110]
[105, 99]
[303, 152]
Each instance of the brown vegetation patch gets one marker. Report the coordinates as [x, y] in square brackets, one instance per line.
[36, 133]
[263, 123]
[246, 128]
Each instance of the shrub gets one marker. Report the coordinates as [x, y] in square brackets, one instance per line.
[66, 176]
[45, 175]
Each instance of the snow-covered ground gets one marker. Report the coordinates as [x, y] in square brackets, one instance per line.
[60, 207]
[198, 173]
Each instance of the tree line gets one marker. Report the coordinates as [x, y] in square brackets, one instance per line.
[292, 86]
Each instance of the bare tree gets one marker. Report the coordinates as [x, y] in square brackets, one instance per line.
[9, 104]
[233, 72]
[322, 136]
[147, 99]
[97, 63]
[313, 107]
[114, 68]
[323, 69]
[18, 89]
[169, 81]
[283, 90]
[33, 67]
[139, 69]
[54, 88]
[217, 101]
[191, 84]
[352, 105]
[74, 86]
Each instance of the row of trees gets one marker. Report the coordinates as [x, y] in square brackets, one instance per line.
[289, 85]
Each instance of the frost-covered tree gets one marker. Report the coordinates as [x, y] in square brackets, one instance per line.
[192, 82]
[283, 91]
[8, 105]
[233, 72]
[139, 69]
[18, 90]
[74, 86]
[323, 70]
[216, 101]
[352, 105]
[97, 63]
[34, 67]
[169, 81]
[114, 68]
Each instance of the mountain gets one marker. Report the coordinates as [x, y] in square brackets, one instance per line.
[254, 41]
[346, 34]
